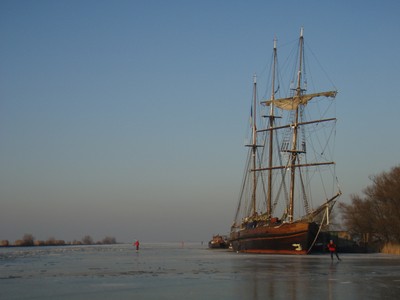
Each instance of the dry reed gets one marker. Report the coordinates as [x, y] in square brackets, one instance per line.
[390, 248]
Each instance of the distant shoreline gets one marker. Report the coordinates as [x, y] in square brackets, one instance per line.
[56, 245]
[29, 241]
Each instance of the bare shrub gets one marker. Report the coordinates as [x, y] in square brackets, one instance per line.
[109, 240]
[28, 240]
[375, 217]
[87, 240]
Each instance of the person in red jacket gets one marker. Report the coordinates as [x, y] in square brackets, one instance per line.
[332, 249]
[136, 244]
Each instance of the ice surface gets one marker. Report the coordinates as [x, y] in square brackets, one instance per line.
[170, 271]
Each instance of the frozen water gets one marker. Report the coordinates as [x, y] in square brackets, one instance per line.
[169, 271]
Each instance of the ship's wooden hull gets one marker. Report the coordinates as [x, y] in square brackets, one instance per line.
[286, 238]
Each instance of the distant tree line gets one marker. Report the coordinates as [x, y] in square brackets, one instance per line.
[28, 240]
[374, 218]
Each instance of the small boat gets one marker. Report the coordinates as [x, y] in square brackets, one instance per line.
[289, 166]
[218, 241]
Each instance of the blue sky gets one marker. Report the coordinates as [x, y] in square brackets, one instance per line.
[127, 118]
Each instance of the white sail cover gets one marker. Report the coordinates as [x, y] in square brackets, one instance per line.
[292, 103]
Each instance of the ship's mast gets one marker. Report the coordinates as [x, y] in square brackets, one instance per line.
[293, 152]
[271, 135]
[292, 105]
[254, 143]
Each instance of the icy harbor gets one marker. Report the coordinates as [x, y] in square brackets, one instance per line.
[191, 271]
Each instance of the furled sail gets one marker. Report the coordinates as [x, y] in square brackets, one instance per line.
[292, 103]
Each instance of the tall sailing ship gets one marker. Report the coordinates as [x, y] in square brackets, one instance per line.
[289, 166]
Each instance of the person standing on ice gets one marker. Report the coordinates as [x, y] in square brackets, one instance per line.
[136, 244]
[332, 249]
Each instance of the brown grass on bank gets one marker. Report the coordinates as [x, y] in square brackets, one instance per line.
[390, 248]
